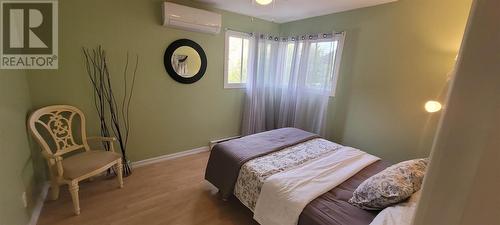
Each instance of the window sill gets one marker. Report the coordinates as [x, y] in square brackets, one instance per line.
[234, 86]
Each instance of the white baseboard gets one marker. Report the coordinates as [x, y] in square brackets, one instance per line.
[39, 204]
[170, 156]
[211, 144]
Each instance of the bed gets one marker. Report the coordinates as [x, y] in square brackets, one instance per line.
[247, 166]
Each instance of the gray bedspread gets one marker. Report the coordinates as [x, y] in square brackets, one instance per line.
[227, 157]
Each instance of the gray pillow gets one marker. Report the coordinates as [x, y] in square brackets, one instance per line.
[392, 185]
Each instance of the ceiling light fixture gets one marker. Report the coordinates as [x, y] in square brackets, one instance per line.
[263, 2]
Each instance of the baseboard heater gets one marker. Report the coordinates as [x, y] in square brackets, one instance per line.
[211, 144]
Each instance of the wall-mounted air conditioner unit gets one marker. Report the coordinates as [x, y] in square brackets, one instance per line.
[192, 19]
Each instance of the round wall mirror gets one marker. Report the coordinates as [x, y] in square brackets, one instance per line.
[185, 61]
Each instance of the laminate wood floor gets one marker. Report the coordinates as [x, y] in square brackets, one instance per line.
[170, 192]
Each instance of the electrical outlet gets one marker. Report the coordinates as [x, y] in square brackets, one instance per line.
[25, 200]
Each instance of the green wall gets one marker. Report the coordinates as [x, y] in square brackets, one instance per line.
[167, 116]
[396, 57]
[18, 172]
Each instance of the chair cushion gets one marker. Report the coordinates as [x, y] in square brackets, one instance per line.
[87, 162]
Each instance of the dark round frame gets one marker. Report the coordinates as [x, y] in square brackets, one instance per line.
[167, 61]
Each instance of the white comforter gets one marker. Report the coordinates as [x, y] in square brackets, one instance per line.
[284, 195]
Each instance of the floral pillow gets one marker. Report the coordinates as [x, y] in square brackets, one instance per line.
[392, 185]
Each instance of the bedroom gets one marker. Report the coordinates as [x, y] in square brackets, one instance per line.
[396, 56]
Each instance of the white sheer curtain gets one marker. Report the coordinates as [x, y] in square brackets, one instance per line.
[290, 82]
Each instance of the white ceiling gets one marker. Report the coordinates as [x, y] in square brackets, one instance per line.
[282, 11]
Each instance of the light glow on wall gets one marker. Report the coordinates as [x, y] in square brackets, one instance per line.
[432, 106]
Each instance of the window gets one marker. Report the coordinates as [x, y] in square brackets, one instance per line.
[317, 61]
[236, 62]
[324, 61]
[320, 71]
[288, 62]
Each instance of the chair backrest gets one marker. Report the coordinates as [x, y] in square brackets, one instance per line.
[53, 128]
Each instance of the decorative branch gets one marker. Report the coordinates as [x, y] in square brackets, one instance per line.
[111, 115]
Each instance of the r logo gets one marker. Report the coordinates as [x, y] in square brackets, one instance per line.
[29, 28]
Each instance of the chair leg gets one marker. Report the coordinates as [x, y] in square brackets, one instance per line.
[73, 189]
[54, 189]
[119, 171]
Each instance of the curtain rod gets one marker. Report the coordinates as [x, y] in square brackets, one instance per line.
[251, 33]
[231, 29]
